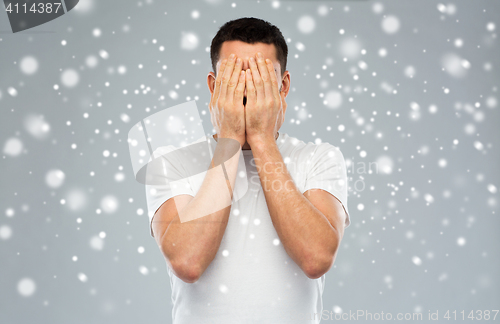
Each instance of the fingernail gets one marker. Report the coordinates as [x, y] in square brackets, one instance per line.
[238, 60]
[252, 59]
[231, 56]
[259, 55]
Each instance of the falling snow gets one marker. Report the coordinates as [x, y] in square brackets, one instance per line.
[411, 101]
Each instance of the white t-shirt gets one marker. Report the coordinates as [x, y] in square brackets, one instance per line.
[252, 279]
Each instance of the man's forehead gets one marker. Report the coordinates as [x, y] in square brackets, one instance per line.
[243, 49]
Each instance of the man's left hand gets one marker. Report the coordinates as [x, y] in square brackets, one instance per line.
[265, 106]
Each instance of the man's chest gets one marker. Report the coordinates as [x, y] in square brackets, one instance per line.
[256, 174]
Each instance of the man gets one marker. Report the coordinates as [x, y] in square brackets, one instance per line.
[261, 258]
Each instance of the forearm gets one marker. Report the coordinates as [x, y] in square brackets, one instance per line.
[306, 234]
[191, 241]
[196, 241]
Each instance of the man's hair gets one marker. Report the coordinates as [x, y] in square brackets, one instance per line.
[250, 30]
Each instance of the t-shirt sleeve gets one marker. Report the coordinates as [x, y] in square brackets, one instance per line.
[327, 171]
[162, 191]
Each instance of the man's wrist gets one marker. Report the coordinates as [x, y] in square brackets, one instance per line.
[232, 136]
[261, 141]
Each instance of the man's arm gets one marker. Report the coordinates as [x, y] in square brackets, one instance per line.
[191, 246]
[310, 228]
[310, 225]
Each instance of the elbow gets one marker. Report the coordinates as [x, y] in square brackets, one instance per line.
[185, 269]
[318, 266]
[187, 272]
[315, 270]
[190, 277]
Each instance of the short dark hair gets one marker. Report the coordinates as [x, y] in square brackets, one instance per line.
[250, 30]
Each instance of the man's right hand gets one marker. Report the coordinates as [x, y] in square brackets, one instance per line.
[226, 104]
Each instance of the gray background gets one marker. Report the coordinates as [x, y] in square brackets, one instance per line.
[424, 237]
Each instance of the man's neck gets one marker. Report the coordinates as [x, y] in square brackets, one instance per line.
[246, 146]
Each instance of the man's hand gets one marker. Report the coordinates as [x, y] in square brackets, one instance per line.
[265, 106]
[226, 105]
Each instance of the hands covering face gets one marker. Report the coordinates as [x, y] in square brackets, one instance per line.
[263, 114]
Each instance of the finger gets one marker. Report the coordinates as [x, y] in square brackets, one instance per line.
[233, 82]
[266, 78]
[219, 78]
[257, 80]
[226, 76]
[274, 80]
[238, 92]
[283, 106]
[251, 92]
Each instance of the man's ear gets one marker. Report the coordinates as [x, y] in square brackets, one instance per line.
[286, 83]
[285, 88]
[211, 82]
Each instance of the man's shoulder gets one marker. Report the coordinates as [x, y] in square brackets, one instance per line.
[299, 148]
[186, 147]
